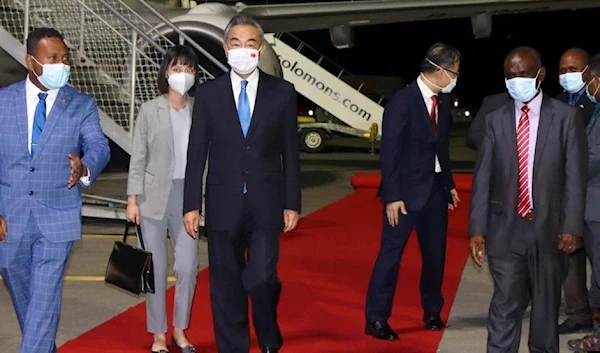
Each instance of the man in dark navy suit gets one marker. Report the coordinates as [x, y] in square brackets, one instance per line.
[248, 121]
[417, 189]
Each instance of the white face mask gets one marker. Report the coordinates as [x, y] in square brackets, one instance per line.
[54, 76]
[572, 82]
[450, 85]
[243, 60]
[181, 82]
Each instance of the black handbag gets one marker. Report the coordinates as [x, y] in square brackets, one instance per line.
[129, 267]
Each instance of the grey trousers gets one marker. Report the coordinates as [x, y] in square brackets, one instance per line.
[186, 264]
[525, 275]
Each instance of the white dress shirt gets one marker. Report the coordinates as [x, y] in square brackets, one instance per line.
[181, 121]
[427, 93]
[251, 88]
[535, 106]
[31, 95]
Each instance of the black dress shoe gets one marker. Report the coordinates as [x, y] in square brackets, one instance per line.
[270, 350]
[381, 330]
[570, 326]
[433, 322]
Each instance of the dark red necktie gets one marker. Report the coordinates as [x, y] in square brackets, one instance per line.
[432, 114]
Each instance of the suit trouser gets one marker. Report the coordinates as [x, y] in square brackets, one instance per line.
[233, 278]
[521, 276]
[186, 264]
[34, 277]
[578, 299]
[432, 225]
[593, 229]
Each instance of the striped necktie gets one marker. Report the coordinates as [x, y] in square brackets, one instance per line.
[524, 205]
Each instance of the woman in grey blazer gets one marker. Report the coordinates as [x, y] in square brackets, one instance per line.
[155, 193]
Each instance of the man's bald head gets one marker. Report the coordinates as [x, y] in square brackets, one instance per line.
[524, 62]
[574, 60]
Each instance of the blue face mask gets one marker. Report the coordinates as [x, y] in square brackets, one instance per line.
[522, 89]
[572, 82]
[54, 76]
[592, 97]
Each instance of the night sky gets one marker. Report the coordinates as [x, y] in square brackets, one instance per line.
[481, 70]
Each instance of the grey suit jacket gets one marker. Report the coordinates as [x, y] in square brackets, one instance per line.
[592, 208]
[559, 178]
[152, 158]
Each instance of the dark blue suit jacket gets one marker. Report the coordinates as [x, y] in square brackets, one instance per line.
[409, 146]
[267, 160]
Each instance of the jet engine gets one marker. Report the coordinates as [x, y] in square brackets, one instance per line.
[205, 24]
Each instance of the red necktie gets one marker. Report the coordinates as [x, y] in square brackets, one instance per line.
[432, 114]
[524, 205]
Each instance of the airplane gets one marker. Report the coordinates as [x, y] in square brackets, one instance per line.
[340, 17]
[283, 56]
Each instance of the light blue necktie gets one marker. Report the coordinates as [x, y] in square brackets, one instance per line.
[244, 112]
[39, 120]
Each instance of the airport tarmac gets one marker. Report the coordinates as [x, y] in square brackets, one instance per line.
[88, 301]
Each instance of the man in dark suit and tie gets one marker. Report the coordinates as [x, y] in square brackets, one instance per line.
[574, 72]
[527, 204]
[592, 208]
[247, 121]
[417, 189]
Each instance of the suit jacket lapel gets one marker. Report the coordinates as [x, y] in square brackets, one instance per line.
[230, 110]
[164, 119]
[63, 99]
[260, 104]
[546, 117]
[442, 116]
[589, 127]
[509, 126]
[593, 122]
[423, 107]
[20, 106]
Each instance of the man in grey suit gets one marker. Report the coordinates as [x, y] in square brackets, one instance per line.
[527, 202]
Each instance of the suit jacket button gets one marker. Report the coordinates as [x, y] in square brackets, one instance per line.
[31, 169]
[30, 192]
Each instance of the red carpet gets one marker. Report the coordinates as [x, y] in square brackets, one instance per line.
[325, 267]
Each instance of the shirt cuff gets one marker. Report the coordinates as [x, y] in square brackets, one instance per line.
[85, 180]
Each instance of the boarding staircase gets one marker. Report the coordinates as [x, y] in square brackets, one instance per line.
[116, 56]
[354, 102]
[117, 52]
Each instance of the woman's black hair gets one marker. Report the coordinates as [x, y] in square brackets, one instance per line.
[176, 55]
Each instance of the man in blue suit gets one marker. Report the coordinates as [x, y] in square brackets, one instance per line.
[417, 189]
[44, 127]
